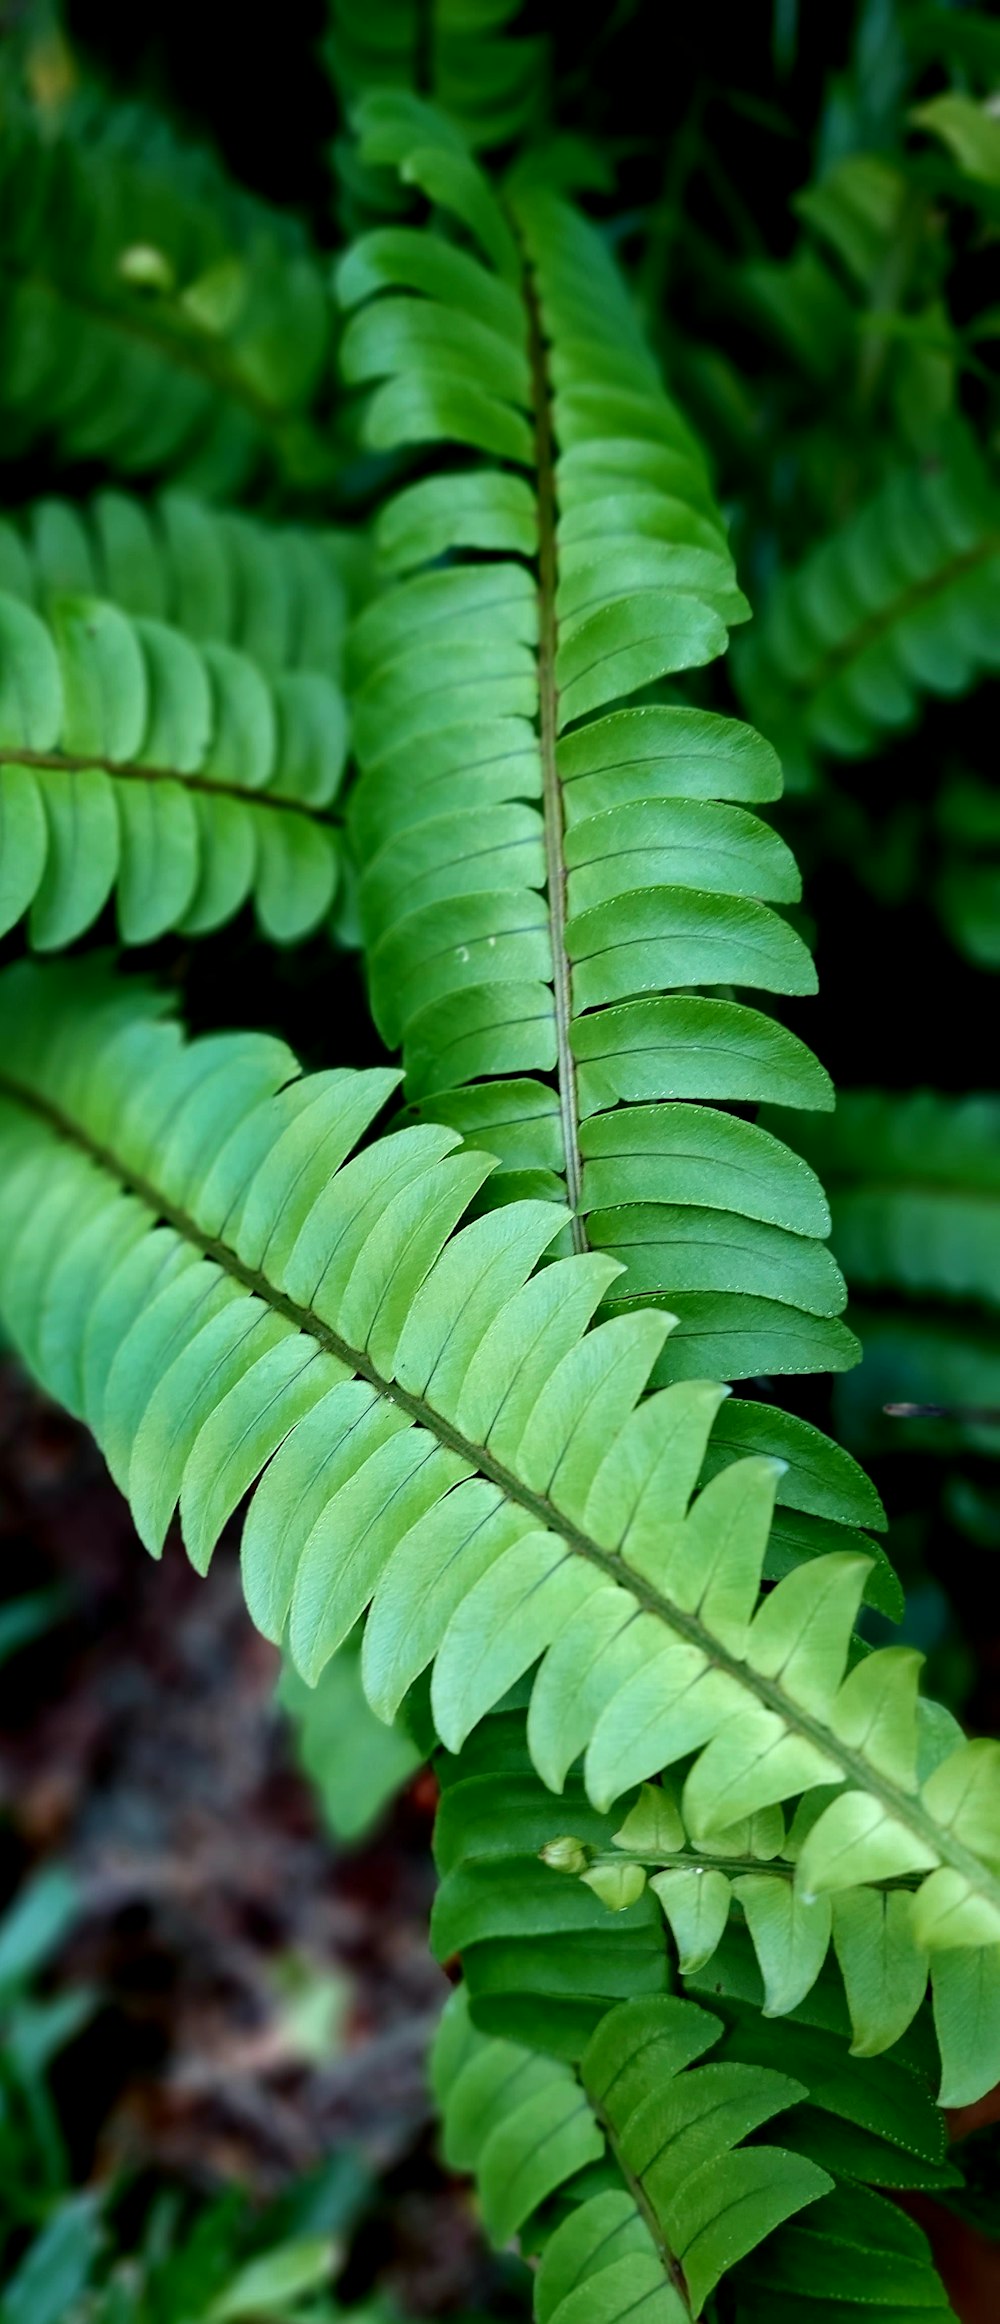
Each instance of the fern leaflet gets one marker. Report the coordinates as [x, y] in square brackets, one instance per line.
[278, 592]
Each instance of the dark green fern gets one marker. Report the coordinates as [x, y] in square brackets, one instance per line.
[897, 603]
[154, 317]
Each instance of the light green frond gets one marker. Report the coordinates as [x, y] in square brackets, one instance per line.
[174, 775]
[280, 593]
[191, 1262]
[562, 875]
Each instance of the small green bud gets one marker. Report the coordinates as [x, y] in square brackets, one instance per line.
[564, 1855]
[146, 267]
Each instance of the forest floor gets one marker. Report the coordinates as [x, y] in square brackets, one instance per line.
[263, 1997]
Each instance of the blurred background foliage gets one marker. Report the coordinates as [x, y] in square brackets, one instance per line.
[808, 203]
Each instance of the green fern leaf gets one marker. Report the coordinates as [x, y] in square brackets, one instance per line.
[191, 1262]
[850, 2258]
[178, 776]
[523, 1943]
[869, 2123]
[546, 874]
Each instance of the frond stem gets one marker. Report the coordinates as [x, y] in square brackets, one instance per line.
[671, 2264]
[734, 1867]
[884, 618]
[548, 729]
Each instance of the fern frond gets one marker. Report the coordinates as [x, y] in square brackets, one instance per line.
[191, 1264]
[898, 603]
[914, 1185]
[489, 78]
[634, 2179]
[555, 887]
[280, 593]
[154, 316]
[967, 889]
[177, 775]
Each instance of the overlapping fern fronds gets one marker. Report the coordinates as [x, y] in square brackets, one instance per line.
[616, 886]
[525, 1879]
[176, 774]
[527, 2127]
[191, 1263]
[154, 316]
[551, 1976]
[634, 2180]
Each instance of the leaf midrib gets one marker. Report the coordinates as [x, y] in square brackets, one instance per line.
[633, 2180]
[903, 1806]
[77, 763]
